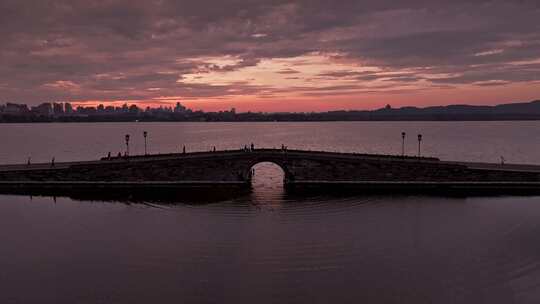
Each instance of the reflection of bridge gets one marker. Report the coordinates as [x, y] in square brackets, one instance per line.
[301, 168]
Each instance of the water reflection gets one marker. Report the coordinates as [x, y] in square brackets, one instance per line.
[260, 195]
[267, 185]
[348, 249]
[153, 195]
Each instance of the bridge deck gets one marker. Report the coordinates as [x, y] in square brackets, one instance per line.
[262, 152]
[302, 169]
[204, 155]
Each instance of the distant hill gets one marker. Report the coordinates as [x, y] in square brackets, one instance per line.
[510, 111]
[510, 108]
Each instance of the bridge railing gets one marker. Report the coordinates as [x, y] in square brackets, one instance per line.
[268, 150]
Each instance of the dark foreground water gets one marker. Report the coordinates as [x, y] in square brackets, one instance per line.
[269, 246]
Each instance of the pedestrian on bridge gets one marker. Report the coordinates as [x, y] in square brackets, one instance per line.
[52, 162]
[28, 163]
[252, 147]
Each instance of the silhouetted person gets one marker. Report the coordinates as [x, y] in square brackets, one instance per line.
[214, 150]
[282, 147]
[119, 154]
[252, 147]
[184, 150]
[52, 162]
[28, 161]
[109, 156]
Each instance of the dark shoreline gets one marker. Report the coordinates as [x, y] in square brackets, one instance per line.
[211, 194]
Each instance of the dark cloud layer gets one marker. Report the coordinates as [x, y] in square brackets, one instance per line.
[130, 49]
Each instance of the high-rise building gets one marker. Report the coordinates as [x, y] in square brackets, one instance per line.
[179, 108]
[58, 108]
[133, 109]
[68, 109]
[44, 109]
[15, 109]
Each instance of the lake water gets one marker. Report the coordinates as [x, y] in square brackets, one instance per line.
[268, 246]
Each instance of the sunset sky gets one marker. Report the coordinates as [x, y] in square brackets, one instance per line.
[265, 55]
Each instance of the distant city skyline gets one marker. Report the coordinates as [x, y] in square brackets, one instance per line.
[270, 55]
[66, 112]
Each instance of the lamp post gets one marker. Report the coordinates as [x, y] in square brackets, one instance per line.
[419, 142]
[403, 144]
[127, 144]
[145, 134]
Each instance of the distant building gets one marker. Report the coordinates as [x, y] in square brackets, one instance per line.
[68, 109]
[15, 109]
[86, 110]
[44, 109]
[133, 109]
[58, 108]
[179, 108]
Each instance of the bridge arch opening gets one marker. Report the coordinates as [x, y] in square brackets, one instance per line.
[267, 184]
[268, 175]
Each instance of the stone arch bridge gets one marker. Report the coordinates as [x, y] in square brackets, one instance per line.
[301, 168]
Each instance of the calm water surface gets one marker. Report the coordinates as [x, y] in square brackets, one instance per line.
[269, 246]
